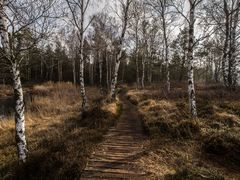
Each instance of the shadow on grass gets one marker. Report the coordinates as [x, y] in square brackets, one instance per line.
[64, 147]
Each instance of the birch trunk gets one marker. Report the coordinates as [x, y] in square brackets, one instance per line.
[150, 70]
[166, 52]
[191, 88]
[115, 75]
[136, 58]
[143, 72]
[81, 79]
[100, 72]
[41, 68]
[110, 70]
[19, 114]
[145, 49]
[81, 63]
[107, 73]
[78, 19]
[137, 70]
[166, 57]
[74, 71]
[17, 87]
[60, 75]
[226, 44]
[119, 54]
[233, 50]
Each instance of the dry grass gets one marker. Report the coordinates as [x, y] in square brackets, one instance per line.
[177, 143]
[59, 139]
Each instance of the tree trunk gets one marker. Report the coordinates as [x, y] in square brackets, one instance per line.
[107, 69]
[166, 47]
[115, 75]
[100, 71]
[81, 62]
[226, 44]
[81, 79]
[110, 69]
[191, 88]
[19, 114]
[119, 54]
[51, 70]
[17, 87]
[123, 72]
[60, 75]
[232, 74]
[150, 70]
[182, 69]
[137, 70]
[143, 72]
[136, 59]
[28, 68]
[74, 71]
[41, 68]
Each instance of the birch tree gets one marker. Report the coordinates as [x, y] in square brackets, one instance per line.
[224, 15]
[125, 6]
[145, 27]
[78, 10]
[191, 19]
[73, 47]
[20, 16]
[161, 7]
[135, 27]
[191, 89]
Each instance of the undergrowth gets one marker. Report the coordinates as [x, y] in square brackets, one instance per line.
[175, 140]
[59, 137]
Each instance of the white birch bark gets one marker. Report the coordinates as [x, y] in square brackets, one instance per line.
[74, 71]
[19, 114]
[136, 56]
[81, 79]
[100, 71]
[17, 87]
[166, 48]
[115, 75]
[81, 63]
[226, 43]
[145, 49]
[232, 80]
[143, 71]
[78, 19]
[191, 88]
[119, 54]
[137, 68]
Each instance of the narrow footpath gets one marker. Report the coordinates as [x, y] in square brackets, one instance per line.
[115, 157]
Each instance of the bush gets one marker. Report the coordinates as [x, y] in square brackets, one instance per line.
[194, 174]
[181, 130]
[100, 118]
[187, 129]
[225, 145]
[156, 128]
[133, 99]
[207, 110]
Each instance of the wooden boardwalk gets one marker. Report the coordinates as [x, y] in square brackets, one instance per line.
[114, 158]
